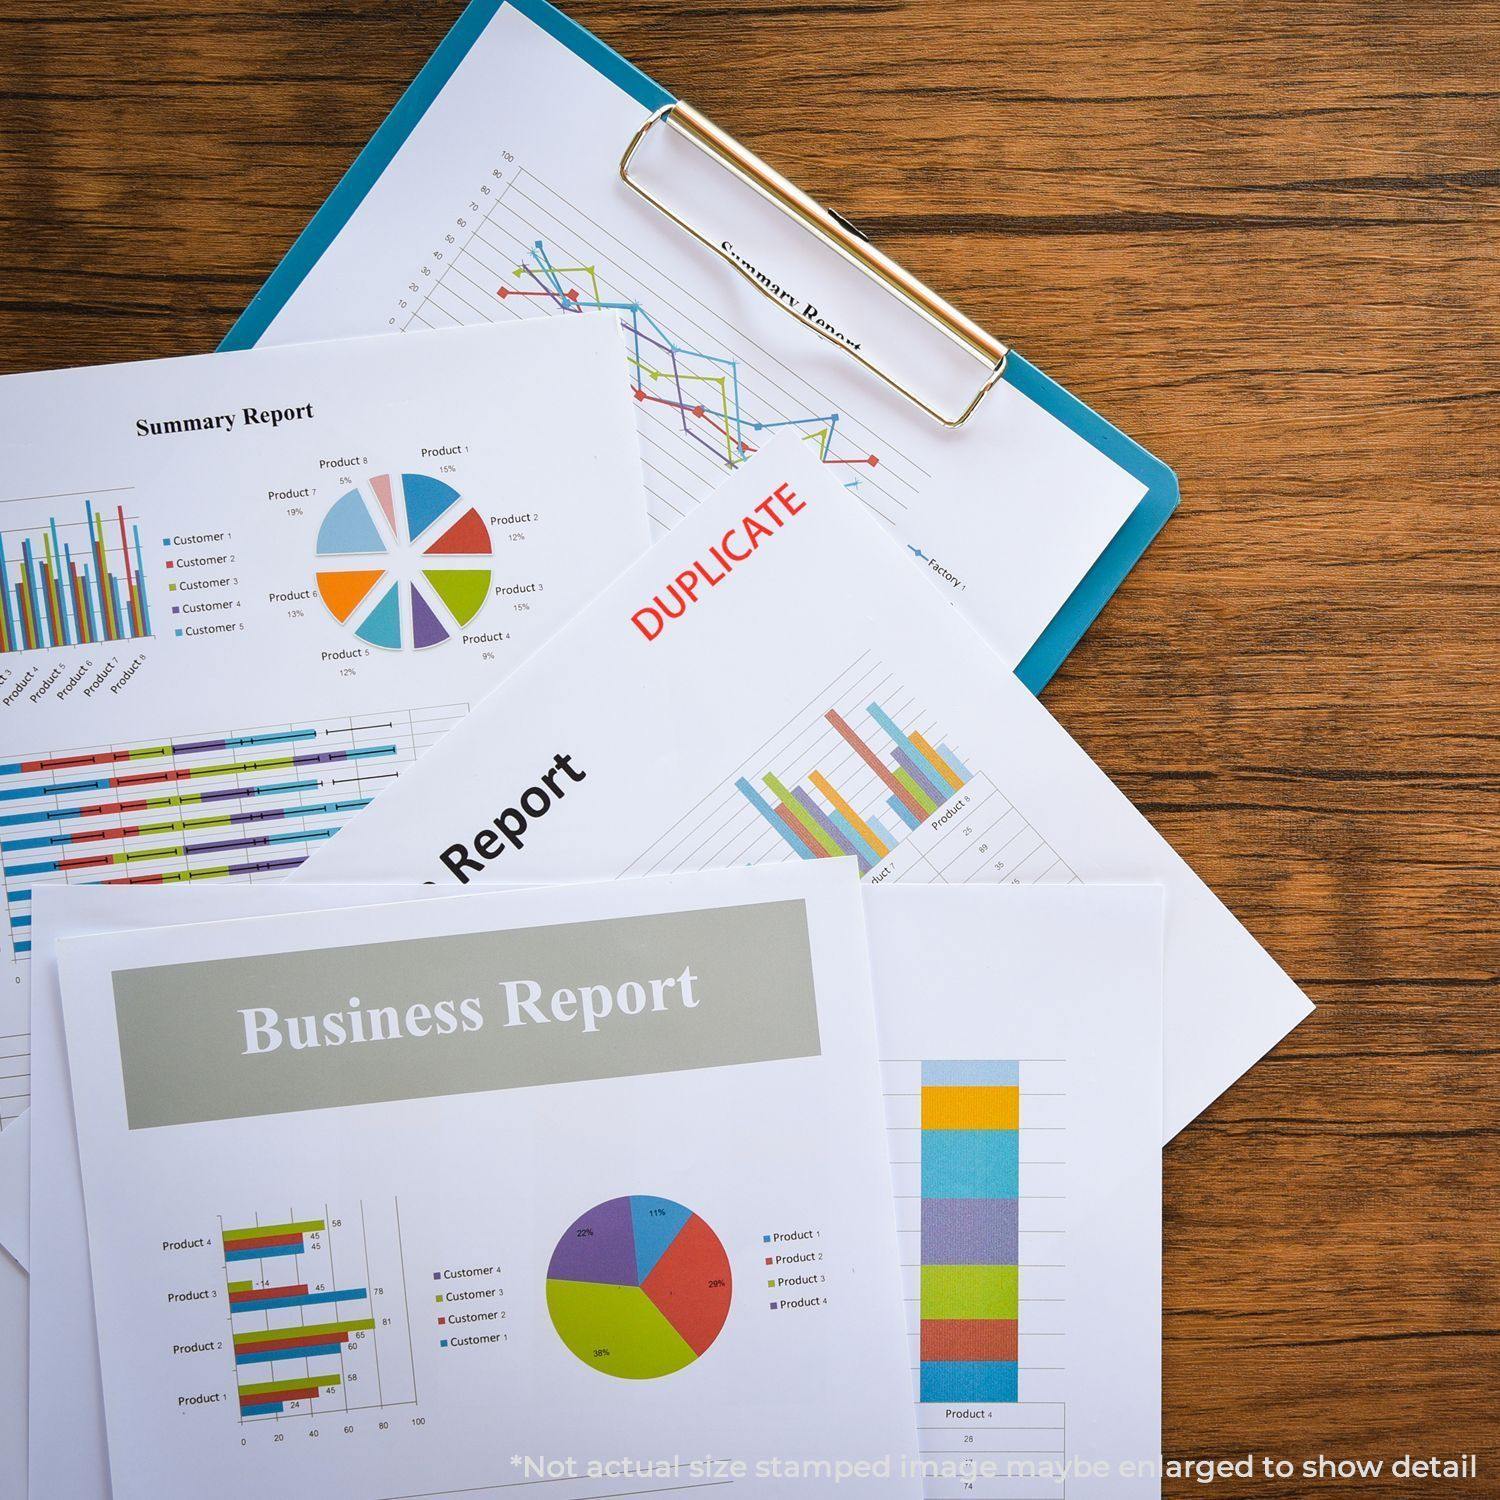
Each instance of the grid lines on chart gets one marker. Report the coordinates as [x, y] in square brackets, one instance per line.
[703, 408]
[290, 1305]
[820, 769]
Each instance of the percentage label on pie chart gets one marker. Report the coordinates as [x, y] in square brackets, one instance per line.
[403, 561]
[638, 1287]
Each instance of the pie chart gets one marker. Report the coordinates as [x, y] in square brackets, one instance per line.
[638, 1287]
[403, 561]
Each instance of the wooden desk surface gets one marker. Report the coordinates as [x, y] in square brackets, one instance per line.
[1263, 241]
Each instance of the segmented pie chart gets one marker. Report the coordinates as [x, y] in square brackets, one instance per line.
[638, 1287]
[403, 561]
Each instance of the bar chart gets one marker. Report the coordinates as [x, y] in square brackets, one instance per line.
[971, 1167]
[73, 582]
[311, 1329]
[861, 771]
[217, 806]
[919, 780]
[979, 1163]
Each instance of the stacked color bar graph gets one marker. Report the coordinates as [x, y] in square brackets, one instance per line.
[75, 817]
[918, 779]
[70, 590]
[971, 1167]
[321, 1337]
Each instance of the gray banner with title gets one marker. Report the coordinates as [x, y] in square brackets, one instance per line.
[221, 1039]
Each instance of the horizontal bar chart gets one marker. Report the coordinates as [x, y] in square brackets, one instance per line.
[174, 850]
[305, 1299]
[194, 807]
[266, 1338]
[246, 1293]
[300, 1341]
[269, 1240]
[297, 1336]
[190, 773]
[270, 1397]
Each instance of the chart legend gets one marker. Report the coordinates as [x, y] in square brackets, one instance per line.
[638, 1287]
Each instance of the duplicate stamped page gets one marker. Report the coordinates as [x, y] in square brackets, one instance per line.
[772, 682]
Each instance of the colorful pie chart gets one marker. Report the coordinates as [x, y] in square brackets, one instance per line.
[638, 1287]
[403, 561]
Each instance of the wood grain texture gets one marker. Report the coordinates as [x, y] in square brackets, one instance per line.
[1261, 239]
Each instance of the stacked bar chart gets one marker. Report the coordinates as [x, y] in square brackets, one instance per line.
[918, 779]
[983, 1229]
[298, 1335]
[73, 583]
[241, 805]
[970, 1231]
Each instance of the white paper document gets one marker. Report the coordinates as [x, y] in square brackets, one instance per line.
[14, 1284]
[505, 204]
[1058, 984]
[67, 1452]
[15, 1159]
[13, 1325]
[1020, 1032]
[448, 1194]
[772, 682]
[240, 593]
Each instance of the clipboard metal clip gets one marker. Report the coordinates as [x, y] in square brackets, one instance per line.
[838, 235]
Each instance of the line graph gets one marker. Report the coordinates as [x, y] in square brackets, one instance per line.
[708, 392]
[655, 357]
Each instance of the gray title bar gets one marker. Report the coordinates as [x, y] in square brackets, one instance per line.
[220, 1039]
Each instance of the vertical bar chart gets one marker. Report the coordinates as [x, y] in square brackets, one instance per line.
[916, 779]
[861, 770]
[73, 583]
[970, 1231]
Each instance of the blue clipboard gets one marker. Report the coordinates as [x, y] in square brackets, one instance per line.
[1082, 606]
